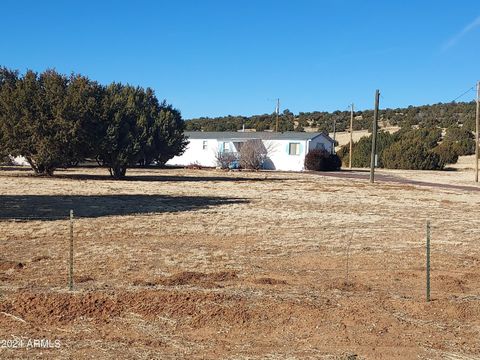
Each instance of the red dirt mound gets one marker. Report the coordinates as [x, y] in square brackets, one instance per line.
[7, 265]
[62, 308]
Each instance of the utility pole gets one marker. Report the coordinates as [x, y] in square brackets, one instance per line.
[477, 123]
[351, 138]
[374, 137]
[278, 111]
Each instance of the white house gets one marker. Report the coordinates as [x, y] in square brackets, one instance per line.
[286, 151]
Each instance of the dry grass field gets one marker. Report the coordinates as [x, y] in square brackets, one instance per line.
[204, 264]
[343, 137]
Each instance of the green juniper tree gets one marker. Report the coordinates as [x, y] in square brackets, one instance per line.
[55, 121]
[137, 129]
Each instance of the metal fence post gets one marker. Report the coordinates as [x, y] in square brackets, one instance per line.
[428, 260]
[70, 271]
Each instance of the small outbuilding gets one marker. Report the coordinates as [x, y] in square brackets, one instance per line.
[284, 151]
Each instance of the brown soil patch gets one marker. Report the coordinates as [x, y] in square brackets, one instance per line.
[8, 264]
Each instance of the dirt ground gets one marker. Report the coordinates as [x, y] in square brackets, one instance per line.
[205, 264]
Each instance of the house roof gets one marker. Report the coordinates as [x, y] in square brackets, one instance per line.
[263, 135]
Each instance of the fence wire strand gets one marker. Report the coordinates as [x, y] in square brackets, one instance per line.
[262, 243]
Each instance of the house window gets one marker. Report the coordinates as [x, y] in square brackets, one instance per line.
[226, 146]
[320, 146]
[204, 144]
[294, 149]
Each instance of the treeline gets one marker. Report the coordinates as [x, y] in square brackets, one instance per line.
[234, 123]
[413, 148]
[55, 121]
[437, 115]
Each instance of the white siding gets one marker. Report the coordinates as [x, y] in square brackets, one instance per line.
[279, 157]
[195, 154]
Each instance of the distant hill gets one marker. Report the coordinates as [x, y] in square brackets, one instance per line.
[437, 115]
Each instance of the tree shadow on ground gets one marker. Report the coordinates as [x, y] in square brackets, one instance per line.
[172, 178]
[15, 168]
[54, 207]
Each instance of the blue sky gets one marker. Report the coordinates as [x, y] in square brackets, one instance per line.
[211, 58]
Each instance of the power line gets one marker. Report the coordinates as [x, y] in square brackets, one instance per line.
[465, 93]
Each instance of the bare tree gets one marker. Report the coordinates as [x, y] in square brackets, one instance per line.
[253, 154]
[225, 158]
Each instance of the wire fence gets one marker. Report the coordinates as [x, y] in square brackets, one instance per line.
[70, 252]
